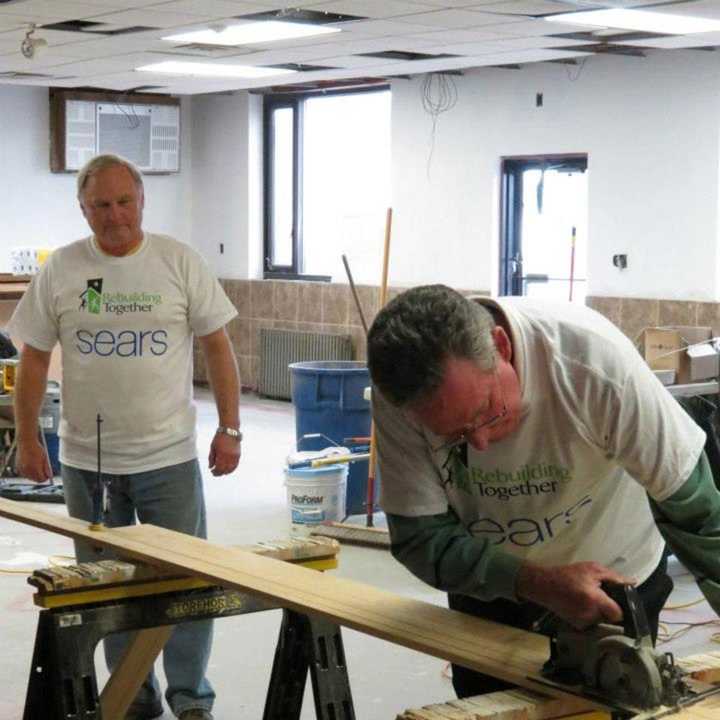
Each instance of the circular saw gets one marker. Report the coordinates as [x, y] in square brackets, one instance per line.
[618, 666]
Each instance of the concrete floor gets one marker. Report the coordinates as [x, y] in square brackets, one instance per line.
[248, 506]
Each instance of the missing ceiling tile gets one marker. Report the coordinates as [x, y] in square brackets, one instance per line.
[98, 28]
[405, 55]
[19, 75]
[309, 17]
[300, 67]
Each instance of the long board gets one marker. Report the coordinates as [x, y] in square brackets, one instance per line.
[504, 652]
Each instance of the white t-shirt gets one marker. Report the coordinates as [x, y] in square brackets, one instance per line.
[125, 326]
[598, 431]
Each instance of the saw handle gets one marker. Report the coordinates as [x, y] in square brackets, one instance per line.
[635, 622]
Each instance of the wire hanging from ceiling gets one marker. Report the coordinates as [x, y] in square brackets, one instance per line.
[574, 74]
[439, 94]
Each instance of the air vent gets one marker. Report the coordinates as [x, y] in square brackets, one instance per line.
[311, 17]
[403, 55]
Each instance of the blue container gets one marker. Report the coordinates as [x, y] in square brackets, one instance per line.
[53, 448]
[328, 399]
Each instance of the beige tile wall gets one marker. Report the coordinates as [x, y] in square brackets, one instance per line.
[329, 308]
[631, 315]
[293, 305]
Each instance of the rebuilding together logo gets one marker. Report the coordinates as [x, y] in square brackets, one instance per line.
[119, 343]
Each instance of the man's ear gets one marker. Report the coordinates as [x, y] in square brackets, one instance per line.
[502, 343]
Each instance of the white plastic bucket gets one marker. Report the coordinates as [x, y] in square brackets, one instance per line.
[315, 495]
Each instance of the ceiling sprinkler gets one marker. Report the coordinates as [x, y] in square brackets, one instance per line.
[30, 45]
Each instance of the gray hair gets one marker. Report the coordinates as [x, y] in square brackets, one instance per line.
[100, 162]
[415, 333]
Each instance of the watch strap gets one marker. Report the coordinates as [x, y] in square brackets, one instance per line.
[232, 432]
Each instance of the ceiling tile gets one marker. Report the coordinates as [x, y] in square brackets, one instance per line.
[457, 18]
[384, 27]
[524, 28]
[148, 18]
[527, 7]
[511, 43]
[455, 36]
[50, 11]
[205, 9]
[369, 8]
[677, 42]
[699, 8]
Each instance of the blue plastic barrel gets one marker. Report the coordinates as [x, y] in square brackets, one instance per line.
[328, 399]
[53, 447]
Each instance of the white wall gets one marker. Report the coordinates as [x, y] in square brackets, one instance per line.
[40, 208]
[227, 183]
[651, 130]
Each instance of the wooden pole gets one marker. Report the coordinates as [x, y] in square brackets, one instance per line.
[370, 502]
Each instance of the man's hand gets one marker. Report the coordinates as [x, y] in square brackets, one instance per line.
[572, 592]
[32, 461]
[224, 454]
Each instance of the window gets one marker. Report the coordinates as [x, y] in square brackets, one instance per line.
[543, 244]
[327, 182]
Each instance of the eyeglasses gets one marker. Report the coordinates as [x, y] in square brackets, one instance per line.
[477, 424]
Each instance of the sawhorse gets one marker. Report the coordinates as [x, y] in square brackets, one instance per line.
[63, 684]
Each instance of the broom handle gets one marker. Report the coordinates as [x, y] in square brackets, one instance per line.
[370, 502]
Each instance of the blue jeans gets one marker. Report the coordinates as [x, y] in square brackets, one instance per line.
[172, 498]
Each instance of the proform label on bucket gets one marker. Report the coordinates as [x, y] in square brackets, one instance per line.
[316, 494]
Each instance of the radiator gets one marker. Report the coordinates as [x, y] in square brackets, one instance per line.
[279, 348]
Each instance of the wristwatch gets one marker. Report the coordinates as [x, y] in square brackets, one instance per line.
[232, 432]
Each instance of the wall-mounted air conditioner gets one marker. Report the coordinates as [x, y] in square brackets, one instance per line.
[84, 124]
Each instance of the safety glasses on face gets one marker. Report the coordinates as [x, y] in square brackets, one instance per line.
[479, 423]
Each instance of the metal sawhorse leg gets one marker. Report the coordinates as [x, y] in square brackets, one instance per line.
[309, 643]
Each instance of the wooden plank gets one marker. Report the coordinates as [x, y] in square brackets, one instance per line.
[516, 704]
[504, 652]
[508, 653]
[130, 673]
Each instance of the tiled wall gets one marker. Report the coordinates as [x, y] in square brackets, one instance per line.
[329, 308]
[631, 315]
[291, 305]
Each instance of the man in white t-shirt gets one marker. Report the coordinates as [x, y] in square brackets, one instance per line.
[124, 306]
[530, 461]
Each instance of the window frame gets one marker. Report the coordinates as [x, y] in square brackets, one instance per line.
[511, 197]
[295, 101]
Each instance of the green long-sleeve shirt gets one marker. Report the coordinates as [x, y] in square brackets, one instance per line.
[439, 550]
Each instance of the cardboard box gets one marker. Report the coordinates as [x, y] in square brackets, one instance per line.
[667, 348]
[660, 348]
[702, 363]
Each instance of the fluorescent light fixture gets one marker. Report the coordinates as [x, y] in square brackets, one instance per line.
[642, 20]
[249, 33]
[198, 69]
